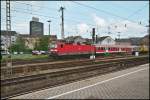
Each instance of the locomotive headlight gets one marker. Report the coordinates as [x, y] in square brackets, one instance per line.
[53, 50]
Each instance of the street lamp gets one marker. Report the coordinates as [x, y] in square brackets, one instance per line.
[49, 25]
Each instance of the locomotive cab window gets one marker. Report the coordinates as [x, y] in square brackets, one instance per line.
[61, 45]
[98, 48]
[53, 45]
[103, 48]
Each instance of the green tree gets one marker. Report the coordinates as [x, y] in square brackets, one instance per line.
[19, 46]
[42, 44]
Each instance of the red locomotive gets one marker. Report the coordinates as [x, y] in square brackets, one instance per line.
[64, 49]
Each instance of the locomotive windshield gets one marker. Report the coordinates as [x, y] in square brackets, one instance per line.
[53, 45]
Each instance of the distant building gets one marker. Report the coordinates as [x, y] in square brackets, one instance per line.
[75, 40]
[32, 40]
[105, 40]
[88, 41]
[145, 40]
[5, 38]
[36, 27]
[129, 41]
[52, 37]
[123, 41]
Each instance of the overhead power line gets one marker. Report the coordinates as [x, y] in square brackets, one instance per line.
[137, 11]
[49, 8]
[57, 18]
[100, 10]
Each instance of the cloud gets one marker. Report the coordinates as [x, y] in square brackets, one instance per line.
[99, 21]
[21, 27]
[82, 28]
[131, 30]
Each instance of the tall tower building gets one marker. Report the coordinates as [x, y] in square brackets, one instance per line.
[36, 27]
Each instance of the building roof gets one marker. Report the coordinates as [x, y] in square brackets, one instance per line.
[72, 38]
[122, 40]
[52, 36]
[27, 35]
[133, 41]
[102, 38]
[34, 36]
[12, 33]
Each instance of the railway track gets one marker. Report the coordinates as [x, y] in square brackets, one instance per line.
[11, 87]
[23, 62]
[32, 69]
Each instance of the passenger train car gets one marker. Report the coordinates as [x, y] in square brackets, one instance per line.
[64, 49]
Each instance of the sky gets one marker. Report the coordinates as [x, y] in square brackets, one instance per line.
[109, 18]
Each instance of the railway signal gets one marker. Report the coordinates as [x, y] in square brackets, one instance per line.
[125, 25]
[93, 34]
[96, 38]
[93, 51]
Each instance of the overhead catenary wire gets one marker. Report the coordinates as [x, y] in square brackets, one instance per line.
[137, 11]
[82, 5]
[57, 18]
[72, 20]
[106, 12]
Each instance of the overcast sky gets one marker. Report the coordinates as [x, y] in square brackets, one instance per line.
[105, 16]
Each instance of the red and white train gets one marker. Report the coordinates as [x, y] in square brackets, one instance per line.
[64, 49]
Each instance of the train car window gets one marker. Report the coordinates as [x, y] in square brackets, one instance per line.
[78, 43]
[103, 48]
[97, 48]
[113, 48]
[61, 45]
[116, 49]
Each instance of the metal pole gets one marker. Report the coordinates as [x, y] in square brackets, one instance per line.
[119, 37]
[62, 23]
[93, 36]
[49, 29]
[49, 25]
[8, 29]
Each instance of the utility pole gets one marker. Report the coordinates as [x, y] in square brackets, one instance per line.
[8, 17]
[119, 37]
[93, 38]
[49, 26]
[62, 23]
[8, 31]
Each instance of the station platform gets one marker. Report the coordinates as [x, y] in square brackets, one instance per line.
[131, 83]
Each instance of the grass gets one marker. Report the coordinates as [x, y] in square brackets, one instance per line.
[24, 57]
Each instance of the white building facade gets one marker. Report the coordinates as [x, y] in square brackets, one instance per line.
[106, 40]
[6, 38]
